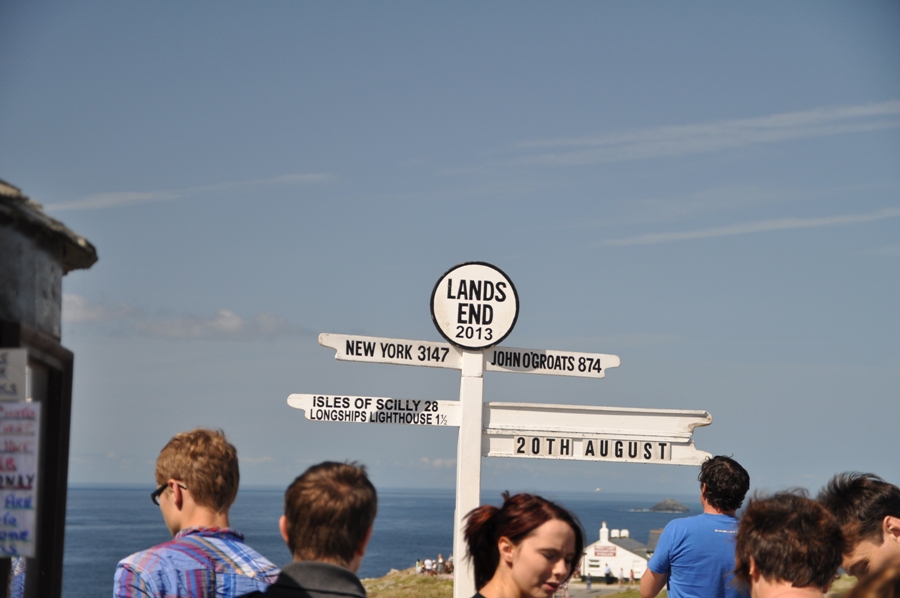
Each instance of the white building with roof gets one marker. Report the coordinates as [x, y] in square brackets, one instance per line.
[616, 550]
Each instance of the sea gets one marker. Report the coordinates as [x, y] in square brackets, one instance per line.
[105, 524]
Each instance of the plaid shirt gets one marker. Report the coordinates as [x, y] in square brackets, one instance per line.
[199, 562]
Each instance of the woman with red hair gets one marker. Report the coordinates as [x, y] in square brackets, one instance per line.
[525, 549]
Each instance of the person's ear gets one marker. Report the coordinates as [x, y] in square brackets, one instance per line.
[283, 528]
[507, 549]
[177, 495]
[890, 528]
[754, 571]
[365, 542]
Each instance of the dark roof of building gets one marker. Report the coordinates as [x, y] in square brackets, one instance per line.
[21, 212]
[630, 545]
[653, 540]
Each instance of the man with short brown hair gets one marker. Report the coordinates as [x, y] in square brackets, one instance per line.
[198, 477]
[328, 516]
[787, 546]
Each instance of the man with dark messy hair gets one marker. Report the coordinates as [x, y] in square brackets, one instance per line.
[725, 482]
[695, 555]
[787, 546]
[868, 511]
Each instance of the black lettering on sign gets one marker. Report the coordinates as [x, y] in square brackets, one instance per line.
[501, 296]
[432, 354]
[474, 313]
[520, 445]
[396, 351]
[462, 291]
[331, 402]
[475, 289]
[360, 348]
[632, 454]
[591, 448]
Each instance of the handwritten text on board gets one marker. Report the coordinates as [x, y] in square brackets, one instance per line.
[19, 425]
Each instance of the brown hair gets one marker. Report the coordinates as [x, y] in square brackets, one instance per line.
[519, 516]
[207, 464]
[790, 538]
[329, 510]
[726, 483]
[861, 501]
[884, 583]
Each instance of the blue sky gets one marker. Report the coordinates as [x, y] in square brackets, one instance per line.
[709, 191]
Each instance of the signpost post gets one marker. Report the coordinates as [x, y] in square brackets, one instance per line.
[474, 307]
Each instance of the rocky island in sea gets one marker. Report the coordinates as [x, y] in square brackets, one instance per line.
[667, 505]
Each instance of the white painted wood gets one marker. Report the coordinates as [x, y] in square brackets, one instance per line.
[474, 305]
[544, 361]
[13, 374]
[468, 467]
[398, 351]
[377, 410]
[587, 433]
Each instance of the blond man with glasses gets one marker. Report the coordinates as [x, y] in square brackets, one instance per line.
[198, 479]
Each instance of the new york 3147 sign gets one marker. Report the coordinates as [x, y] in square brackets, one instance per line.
[474, 305]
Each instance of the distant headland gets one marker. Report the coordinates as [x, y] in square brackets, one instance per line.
[667, 505]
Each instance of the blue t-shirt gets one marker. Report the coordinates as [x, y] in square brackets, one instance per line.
[697, 553]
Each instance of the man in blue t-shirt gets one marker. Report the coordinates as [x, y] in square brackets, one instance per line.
[696, 554]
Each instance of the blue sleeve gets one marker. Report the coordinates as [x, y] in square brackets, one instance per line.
[128, 583]
[660, 561]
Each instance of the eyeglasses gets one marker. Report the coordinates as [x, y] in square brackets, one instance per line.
[154, 496]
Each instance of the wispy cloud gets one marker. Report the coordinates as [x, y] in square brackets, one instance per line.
[758, 226]
[222, 325]
[127, 198]
[76, 308]
[696, 138]
[256, 460]
[437, 463]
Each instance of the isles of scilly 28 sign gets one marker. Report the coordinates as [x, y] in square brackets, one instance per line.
[474, 305]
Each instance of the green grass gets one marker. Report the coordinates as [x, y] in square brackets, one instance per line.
[408, 584]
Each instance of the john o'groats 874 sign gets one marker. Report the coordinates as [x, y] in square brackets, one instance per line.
[474, 305]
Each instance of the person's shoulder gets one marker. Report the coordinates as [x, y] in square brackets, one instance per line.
[681, 523]
[139, 573]
[144, 560]
[685, 526]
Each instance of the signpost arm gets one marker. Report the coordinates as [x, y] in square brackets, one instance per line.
[468, 466]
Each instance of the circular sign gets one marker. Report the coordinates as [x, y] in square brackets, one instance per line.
[474, 305]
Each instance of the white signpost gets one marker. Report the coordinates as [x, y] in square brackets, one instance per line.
[475, 306]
